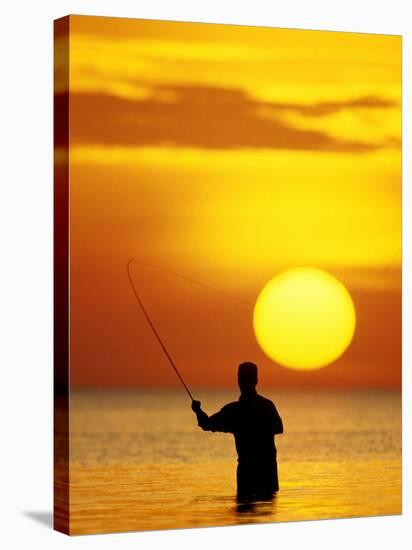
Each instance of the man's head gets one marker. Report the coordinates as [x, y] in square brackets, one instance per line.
[247, 376]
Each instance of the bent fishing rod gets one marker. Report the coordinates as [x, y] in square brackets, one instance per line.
[139, 301]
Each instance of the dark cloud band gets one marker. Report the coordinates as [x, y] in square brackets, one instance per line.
[207, 118]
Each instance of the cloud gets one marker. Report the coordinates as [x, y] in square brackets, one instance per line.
[328, 107]
[208, 118]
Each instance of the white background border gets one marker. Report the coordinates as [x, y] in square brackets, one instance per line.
[26, 270]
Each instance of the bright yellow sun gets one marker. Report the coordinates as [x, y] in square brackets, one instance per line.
[304, 318]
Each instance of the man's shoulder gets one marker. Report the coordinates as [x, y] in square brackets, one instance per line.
[229, 407]
[265, 401]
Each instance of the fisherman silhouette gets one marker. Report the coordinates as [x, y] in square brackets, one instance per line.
[254, 421]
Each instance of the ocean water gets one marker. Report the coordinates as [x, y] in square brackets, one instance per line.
[138, 461]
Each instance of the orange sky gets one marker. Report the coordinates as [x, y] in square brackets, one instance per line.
[229, 154]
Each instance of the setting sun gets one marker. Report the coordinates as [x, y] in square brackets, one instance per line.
[304, 318]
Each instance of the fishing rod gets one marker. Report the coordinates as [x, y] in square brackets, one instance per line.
[154, 329]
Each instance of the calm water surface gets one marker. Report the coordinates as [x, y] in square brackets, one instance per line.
[139, 461]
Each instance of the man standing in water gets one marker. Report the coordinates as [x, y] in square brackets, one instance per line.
[254, 421]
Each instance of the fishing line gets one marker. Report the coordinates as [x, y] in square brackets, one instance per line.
[193, 281]
[185, 278]
[377, 280]
[362, 296]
